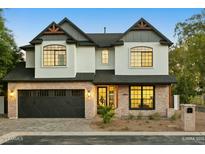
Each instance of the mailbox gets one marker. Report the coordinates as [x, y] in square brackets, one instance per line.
[188, 116]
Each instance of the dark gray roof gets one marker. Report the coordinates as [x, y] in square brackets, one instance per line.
[105, 39]
[22, 74]
[109, 77]
[28, 47]
[75, 27]
[100, 39]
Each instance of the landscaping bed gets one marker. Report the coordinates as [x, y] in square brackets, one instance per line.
[145, 124]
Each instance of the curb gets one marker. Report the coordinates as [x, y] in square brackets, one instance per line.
[13, 135]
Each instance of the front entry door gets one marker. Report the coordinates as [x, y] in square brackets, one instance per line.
[107, 96]
[102, 96]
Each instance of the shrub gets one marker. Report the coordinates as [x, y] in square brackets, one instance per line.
[106, 113]
[155, 116]
[131, 117]
[198, 100]
[140, 116]
[175, 116]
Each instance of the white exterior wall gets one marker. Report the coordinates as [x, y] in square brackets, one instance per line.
[30, 59]
[57, 71]
[111, 59]
[160, 59]
[85, 59]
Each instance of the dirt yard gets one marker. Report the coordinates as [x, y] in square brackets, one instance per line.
[133, 124]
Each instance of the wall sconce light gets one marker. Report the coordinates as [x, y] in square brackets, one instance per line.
[89, 94]
[11, 93]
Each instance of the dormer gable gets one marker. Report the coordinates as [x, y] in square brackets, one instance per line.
[51, 31]
[143, 31]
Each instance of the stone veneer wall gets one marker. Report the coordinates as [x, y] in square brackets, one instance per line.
[161, 101]
[90, 103]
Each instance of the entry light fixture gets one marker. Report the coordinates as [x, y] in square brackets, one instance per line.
[11, 93]
[89, 94]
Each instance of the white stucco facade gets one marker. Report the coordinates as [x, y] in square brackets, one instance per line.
[160, 59]
[88, 59]
[57, 71]
[85, 59]
[111, 59]
[30, 59]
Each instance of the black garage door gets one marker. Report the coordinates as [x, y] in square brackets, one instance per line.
[51, 104]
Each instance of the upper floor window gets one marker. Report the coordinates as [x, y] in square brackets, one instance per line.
[54, 55]
[105, 55]
[141, 57]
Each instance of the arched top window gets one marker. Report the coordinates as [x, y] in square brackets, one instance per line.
[54, 55]
[141, 56]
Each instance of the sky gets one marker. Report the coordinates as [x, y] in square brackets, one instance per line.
[27, 23]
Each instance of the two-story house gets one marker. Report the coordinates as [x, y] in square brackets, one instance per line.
[69, 73]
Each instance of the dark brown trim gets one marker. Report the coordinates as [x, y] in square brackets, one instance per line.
[171, 102]
[141, 98]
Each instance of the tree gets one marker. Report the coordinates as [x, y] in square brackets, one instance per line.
[9, 53]
[187, 58]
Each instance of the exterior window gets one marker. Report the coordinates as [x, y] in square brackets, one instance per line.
[142, 97]
[102, 96]
[141, 57]
[54, 55]
[105, 57]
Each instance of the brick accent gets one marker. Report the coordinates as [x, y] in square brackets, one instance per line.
[161, 97]
[161, 101]
[90, 103]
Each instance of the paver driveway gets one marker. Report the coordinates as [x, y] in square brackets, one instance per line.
[44, 125]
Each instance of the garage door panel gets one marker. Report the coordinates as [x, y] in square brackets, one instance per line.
[51, 104]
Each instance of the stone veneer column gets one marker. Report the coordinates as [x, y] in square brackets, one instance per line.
[90, 102]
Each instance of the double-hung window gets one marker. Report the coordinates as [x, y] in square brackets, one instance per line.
[141, 57]
[54, 55]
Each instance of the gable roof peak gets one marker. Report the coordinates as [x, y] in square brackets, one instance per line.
[52, 28]
[65, 19]
[143, 24]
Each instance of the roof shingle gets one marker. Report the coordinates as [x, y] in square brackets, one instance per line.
[22, 74]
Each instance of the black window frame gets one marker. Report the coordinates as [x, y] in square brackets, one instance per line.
[55, 55]
[141, 56]
[98, 95]
[130, 108]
